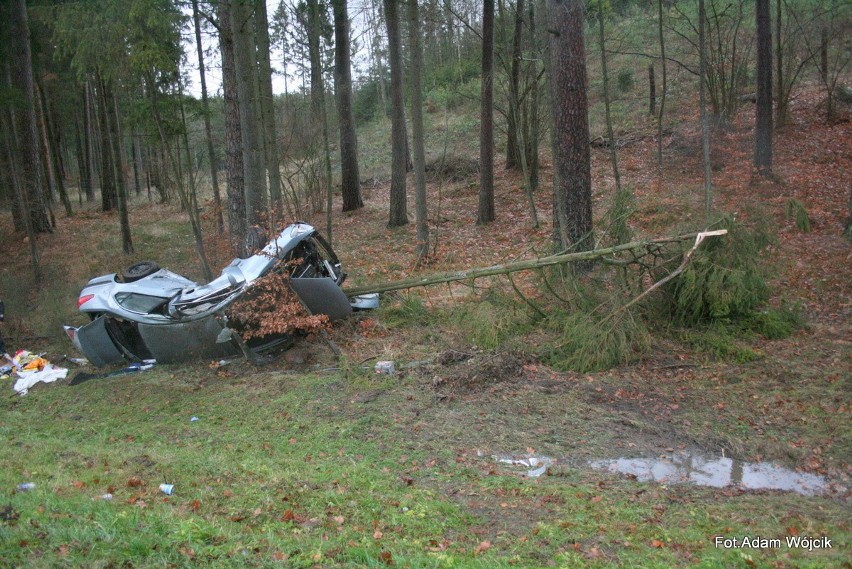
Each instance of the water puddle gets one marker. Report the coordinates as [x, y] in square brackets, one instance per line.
[715, 472]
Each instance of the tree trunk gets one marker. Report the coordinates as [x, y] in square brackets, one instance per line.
[82, 167]
[118, 170]
[702, 102]
[763, 109]
[211, 154]
[664, 86]
[532, 141]
[88, 141]
[350, 182]
[422, 250]
[609, 131]
[780, 99]
[513, 148]
[572, 185]
[108, 191]
[233, 137]
[136, 157]
[245, 64]
[398, 199]
[30, 186]
[267, 105]
[652, 91]
[486, 213]
[50, 156]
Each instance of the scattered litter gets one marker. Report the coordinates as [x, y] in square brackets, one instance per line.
[106, 497]
[145, 365]
[26, 486]
[78, 361]
[385, 367]
[167, 489]
[194, 419]
[537, 464]
[30, 369]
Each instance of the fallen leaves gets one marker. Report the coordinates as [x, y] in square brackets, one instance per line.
[135, 482]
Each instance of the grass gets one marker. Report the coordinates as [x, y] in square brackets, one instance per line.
[289, 469]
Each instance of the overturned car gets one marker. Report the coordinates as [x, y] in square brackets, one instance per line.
[147, 312]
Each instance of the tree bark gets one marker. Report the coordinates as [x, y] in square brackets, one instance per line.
[513, 148]
[30, 186]
[398, 200]
[233, 137]
[108, 190]
[350, 181]
[613, 156]
[51, 152]
[763, 109]
[267, 105]
[118, 170]
[245, 64]
[486, 212]
[702, 102]
[422, 249]
[572, 185]
[532, 142]
[88, 141]
[208, 133]
[664, 86]
[652, 91]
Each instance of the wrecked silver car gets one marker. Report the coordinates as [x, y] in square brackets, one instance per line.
[146, 312]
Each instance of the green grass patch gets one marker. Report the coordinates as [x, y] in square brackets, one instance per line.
[491, 322]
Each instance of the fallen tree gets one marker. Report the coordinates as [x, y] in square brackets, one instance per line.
[605, 254]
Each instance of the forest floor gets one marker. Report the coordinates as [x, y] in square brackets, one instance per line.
[314, 461]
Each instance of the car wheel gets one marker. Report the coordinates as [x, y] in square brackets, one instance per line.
[139, 271]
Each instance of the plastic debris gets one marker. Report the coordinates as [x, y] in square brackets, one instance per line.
[26, 486]
[385, 367]
[167, 489]
[106, 497]
[194, 419]
[30, 369]
[538, 465]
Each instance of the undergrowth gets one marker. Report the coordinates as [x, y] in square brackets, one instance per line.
[716, 305]
[726, 279]
[492, 320]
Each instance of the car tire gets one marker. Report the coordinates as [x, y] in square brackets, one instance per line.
[139, 271]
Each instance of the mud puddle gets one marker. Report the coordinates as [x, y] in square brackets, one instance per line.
[720, 472]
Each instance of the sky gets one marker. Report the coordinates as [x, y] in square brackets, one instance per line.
[280, 83]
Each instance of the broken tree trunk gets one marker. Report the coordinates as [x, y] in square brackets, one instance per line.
[558, 259]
